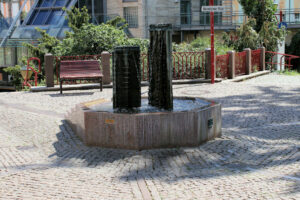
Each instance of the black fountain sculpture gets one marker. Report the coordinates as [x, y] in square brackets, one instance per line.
[160, 66]
[126, 77]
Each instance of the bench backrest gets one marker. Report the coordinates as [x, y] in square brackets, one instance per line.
[79, 66]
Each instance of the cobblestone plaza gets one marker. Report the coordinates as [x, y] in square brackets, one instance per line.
[257, 157]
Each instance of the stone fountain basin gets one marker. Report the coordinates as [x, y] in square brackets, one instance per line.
[146, 130]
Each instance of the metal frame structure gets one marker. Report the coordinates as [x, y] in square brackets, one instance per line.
[11, 28]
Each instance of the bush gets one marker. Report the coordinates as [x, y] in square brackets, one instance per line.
[92, 39]
[294, 49]
[244, 37]
[200, 44]
[15, 71]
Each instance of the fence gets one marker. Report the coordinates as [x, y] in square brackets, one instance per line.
[186, 65]
[240, 63]
[222, 62]
[279, 61]
[255, 60]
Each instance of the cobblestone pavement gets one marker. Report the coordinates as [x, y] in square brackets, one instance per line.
[258, 156]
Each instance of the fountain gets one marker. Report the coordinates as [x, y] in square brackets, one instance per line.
[159, 121]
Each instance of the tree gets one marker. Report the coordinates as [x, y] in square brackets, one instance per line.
[77, 18]
[261, 10]
[260, 30]
[85, 38]
[270, 36]
[244, 37]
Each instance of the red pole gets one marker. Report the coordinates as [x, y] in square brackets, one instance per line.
[211, 3]
[281, 15]
[35, 72]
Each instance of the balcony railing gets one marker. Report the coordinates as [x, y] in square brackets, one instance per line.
[290, 16]
[228, 20]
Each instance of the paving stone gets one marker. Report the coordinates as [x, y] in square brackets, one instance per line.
[257, 157]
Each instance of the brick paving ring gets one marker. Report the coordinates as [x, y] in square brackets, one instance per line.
[193, 121]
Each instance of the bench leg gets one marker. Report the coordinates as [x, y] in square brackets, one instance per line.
[61, 87]
[101, 84]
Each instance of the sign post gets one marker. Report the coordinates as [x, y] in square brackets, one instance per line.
[212, 41]
[211, 8]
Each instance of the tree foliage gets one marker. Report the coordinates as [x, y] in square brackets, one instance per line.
[92, 39]
[77, 18]
[294, 49]
[85, 38]
[270, 36]
[295, 44]
[200, 44]
[261, 29]
[244, 37]
[261, 10]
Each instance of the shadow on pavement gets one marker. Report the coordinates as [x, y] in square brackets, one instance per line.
[261, 131]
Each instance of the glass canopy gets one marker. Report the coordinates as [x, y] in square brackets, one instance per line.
[47, 15]
[47, 12]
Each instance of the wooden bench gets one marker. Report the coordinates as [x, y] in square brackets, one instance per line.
[80, 70]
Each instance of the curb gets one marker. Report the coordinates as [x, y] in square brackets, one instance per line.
[97, 86]
[144, 83]
[246, 77]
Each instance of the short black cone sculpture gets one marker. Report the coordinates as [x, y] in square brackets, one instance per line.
[126, 77]
[160, 66]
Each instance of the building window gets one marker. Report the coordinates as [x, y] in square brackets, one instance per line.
[297, 17]
[5, 56]
[47, 12]
[131, 16]
[2, 59]
[185, 12]
[8, 55]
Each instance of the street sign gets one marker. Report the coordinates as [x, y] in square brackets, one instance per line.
[213, 9]
[282, 24]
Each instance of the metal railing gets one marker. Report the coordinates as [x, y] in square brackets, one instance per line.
[186, 65]
[240, 63]
[282, 60]
[222, 62]
[290, 16]
[234, 19]
[255, 60]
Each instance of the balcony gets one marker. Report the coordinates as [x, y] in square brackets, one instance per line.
[290, 16]
[229, 20]
[201, 21]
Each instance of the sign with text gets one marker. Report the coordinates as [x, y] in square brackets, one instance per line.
[213, 9]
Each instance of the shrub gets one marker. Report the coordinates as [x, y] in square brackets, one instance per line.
[294, 49]
[200, 44]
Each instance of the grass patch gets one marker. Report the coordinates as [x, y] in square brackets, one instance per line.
[290, 73]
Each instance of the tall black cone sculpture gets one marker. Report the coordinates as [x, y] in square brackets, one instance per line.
[126, 77]
[160, 66]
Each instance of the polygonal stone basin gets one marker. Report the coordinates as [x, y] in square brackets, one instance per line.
[192, 122]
